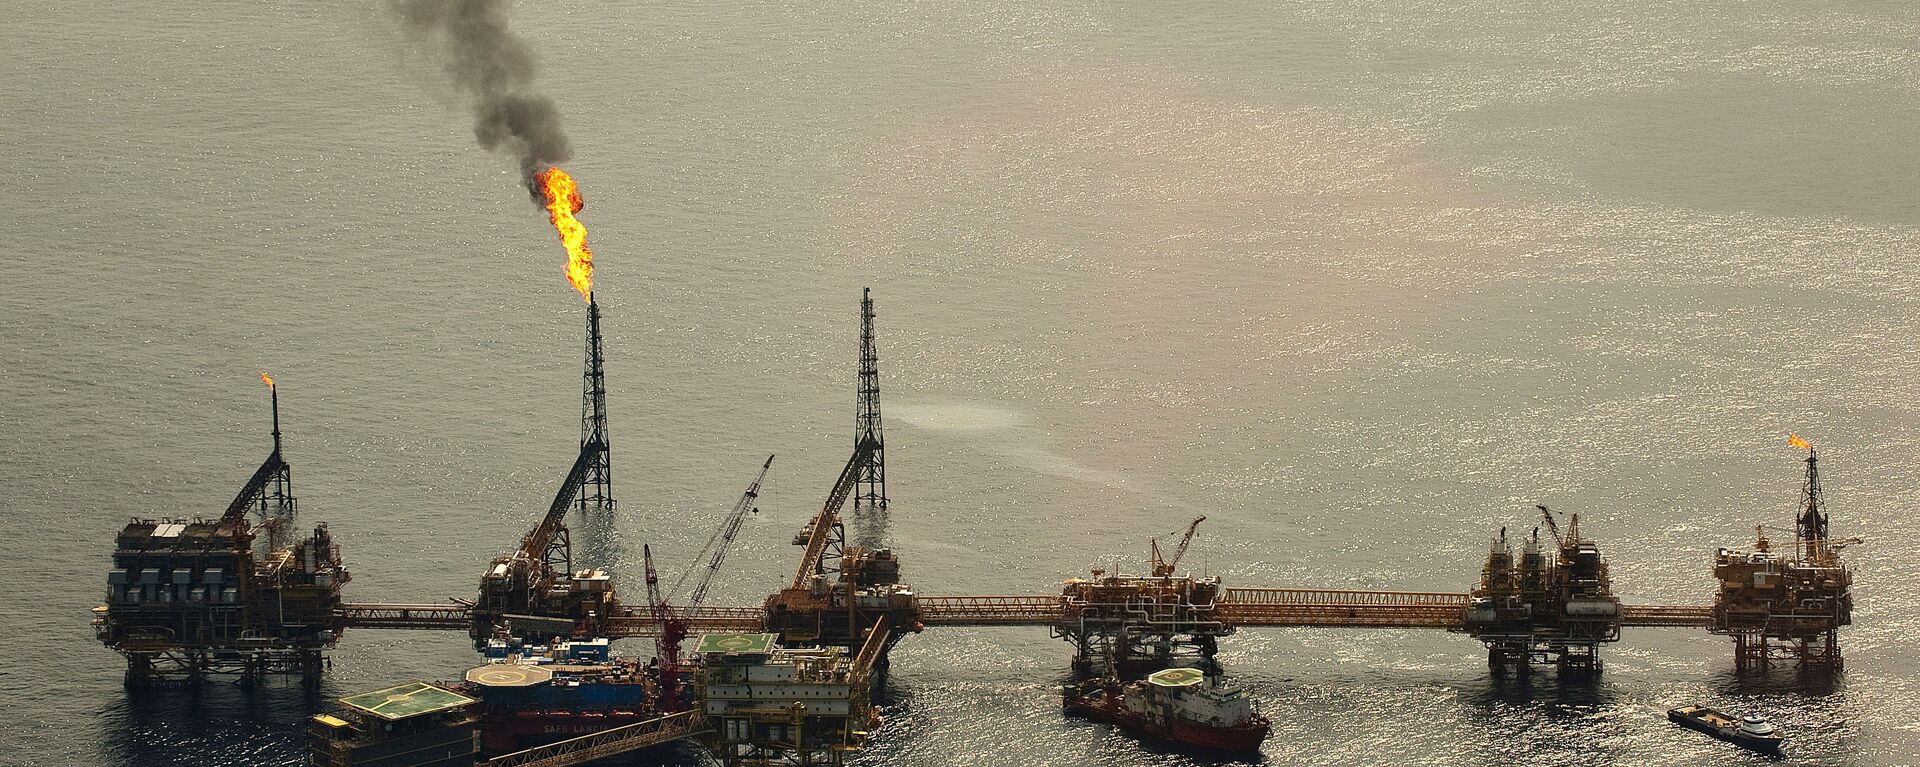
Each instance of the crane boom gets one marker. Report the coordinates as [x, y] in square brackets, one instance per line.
[673, 629]
[1163, 568]
[825, 527]
[654, 601]
[1552, 526]
[722, 539]
[1181, 550]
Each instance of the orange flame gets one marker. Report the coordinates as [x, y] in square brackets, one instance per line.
[267, 378]
[1796, 441]
[563, 200]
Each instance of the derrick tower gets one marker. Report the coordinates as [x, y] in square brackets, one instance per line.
[847, 595]
[870, 497]
[536, 583]
[596, 489]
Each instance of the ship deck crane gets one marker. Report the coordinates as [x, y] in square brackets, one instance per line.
[653, 580]
[672, 631]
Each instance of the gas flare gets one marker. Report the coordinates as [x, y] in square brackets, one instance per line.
[563, 200]
[266, 378]
[1796, 441]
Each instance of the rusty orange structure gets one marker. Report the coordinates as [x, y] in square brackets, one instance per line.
[1135, 624]
[1551, 605]
[1783, 607]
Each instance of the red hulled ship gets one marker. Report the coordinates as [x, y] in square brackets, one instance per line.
[1180, 704]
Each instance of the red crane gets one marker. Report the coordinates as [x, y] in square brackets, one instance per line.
[672, 630]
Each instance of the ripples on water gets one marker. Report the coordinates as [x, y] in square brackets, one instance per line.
[1361, 281]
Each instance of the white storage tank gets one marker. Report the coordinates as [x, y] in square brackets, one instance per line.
[1592, 608]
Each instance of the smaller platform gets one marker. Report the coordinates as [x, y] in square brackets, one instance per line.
[406, 701]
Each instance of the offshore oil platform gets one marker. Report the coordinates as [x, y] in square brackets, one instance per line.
[1551, 606]
[1783, 609]
[190, 598]
[792, 680]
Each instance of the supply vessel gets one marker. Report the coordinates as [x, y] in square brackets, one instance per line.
[1749, 730]
[1180, 704]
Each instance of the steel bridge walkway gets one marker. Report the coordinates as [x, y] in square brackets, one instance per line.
[1690, 616]
[627, 623]
[641, 622]
[450, 617]
[1239, 607]
[1279, 608]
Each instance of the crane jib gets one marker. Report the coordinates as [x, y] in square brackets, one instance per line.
[724, 538]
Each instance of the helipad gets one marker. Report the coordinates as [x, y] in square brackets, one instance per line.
[508, 675]
[737, 644]
[1177, 677]
[407, 700]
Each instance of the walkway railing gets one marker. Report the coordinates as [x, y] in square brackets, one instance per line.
[993, 610]
[1248, 607]
[1343, 597]
[448, 617]
[1700, 616]
[641, 622]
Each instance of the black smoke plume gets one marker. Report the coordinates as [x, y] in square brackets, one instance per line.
[494, 69]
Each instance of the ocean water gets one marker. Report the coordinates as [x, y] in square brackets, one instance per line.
[1361, 281]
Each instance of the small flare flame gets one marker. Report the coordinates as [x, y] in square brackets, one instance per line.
[563, 200]
[266, 378]
[1796, 441]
